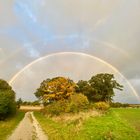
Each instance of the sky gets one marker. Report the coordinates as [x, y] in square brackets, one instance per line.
[46, 38]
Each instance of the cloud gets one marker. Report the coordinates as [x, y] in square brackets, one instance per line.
[107, 29]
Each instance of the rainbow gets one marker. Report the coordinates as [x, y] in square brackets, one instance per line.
[74, 53]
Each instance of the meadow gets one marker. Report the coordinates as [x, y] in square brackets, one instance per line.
[116, 124]
[7, 126]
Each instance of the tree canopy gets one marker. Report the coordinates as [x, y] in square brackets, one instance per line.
[55, 89]
[99, 88]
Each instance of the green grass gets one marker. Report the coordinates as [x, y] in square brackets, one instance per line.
[56, 130]
[109, 127]
[8, 125]
[115, 125]
[131, 115]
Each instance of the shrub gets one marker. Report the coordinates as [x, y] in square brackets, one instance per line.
[7, 104]
[7, 100]
[102, 106]
[76, 103]
[56, 108]
[118, 105]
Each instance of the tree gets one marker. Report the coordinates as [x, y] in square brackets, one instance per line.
[55, 89]
[104, 85]
[34, 103]
[7, 100]
[19, 102]
[99, 88]
[85, 88]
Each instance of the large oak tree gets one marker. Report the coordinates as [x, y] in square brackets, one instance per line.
[99, 88]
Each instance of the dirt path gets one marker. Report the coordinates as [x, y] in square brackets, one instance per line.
[28, 129]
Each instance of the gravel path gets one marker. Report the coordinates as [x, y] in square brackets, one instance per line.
[28, 129]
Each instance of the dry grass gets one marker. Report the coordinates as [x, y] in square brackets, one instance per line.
[8, 125]
[31, 108]
[79, 116]
[66, 126]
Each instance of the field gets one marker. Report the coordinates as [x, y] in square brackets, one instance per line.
[132, 116]
[30, 108]
[7, 126]
[117, 124]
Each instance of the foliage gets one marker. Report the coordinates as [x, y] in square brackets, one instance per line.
[35, 103]
[103, 85]
[7, 100]
[85, 88]
[19, 102]
[102, 106]
[99, 87]
[61, 95]
[56, 108]
[75, 103]
[4, 85]
[55, 89]
[30, 103]
[117, 105]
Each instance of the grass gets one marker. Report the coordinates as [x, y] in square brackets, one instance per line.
[117, 124]
[109, 127]
[56, 130]
[131, 115]
[8, 125]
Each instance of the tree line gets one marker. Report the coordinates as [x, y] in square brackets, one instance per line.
[99, 88]
[64, 91]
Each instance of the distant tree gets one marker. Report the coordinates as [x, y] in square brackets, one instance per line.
[19, 102]
[55, 89]
[117, 104]
[7, 100]
[24, 103]
[34, 103]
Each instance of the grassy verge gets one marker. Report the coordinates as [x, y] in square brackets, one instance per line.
[107, 127]
[56, 130]
[8, 125]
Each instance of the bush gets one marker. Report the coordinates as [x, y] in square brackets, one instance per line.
[56, 108]
[102, 106]
[76, 103]
[7, 104]
[118, 105]
[7, 100]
